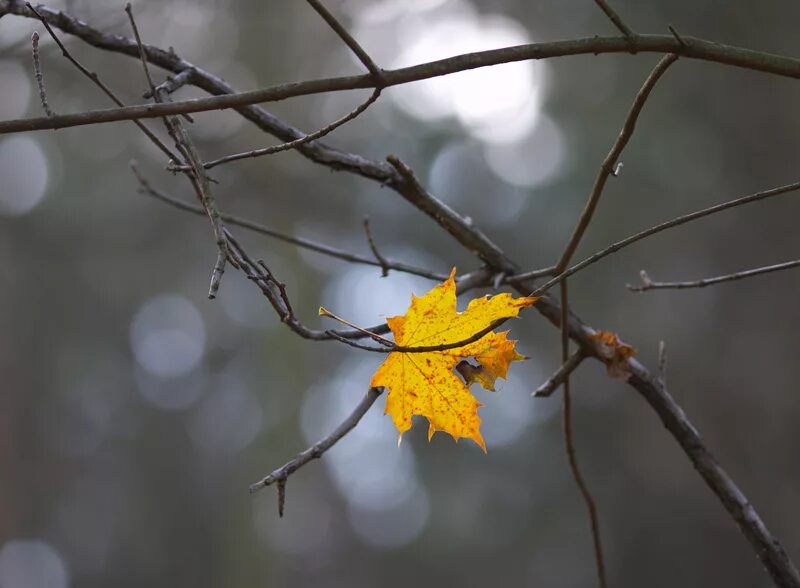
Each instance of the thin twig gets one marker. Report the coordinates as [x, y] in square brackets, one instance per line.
[615, 18]
[553, 382]
[295, 143]
[677, 36]
[148, 189]
[614, 247]
[462, 229]
[648, 284]
[281, 289]
[197, 175]
[569, 443]
[37, 72]
[393, 347]
[608, 166]
[378, 257]
[318, 449]
[374, 336]
[275, 292]
[142, 55]
[172, 83]
[98, 82]
[530, 275]
[143, 58]
[348, 39]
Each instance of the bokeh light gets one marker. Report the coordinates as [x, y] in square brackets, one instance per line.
[228, 419]
[532, 161]
[32, 563]
[494, 104]
[24, 169]
[168, 336]
[16, 84]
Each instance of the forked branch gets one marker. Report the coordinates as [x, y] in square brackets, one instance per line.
[318, 449]
[610, 163]
[648, 284]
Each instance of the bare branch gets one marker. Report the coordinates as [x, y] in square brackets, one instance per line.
[569, 444]
[768, 549]
[614, 18]
[297, 142]
[609, 165]
[318, 449]
[142, 55]
[148, 189]
[648, 284]
[96, 80]
[553, 382]
[172, 83]
[424, 348]
[677, 36]
[374, 336]
[379, 258]
[37, 72]
[197, 174]
[459, 227]
[143, 58]
[348, 39]
[614, 247]
[697, 48]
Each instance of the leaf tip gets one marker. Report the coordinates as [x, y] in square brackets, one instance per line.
[478, 438]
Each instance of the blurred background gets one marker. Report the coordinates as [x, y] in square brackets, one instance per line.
[134, 412]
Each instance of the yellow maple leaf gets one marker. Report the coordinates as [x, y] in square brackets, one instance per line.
[424, 383]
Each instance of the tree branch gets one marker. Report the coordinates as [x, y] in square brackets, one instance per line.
[694, 48]
[569, 444]
[150, 190]
[553, 382]
[37, 72]
[648, 284]
[614, 247]
[384, 264]
[196, 174]
[99, 83]
[326, 130]
[610, 163]
[318, 449]
[768, 549]
[616, 20]
[348, 39]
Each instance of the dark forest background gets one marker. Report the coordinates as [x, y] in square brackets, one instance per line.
[134, 412]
